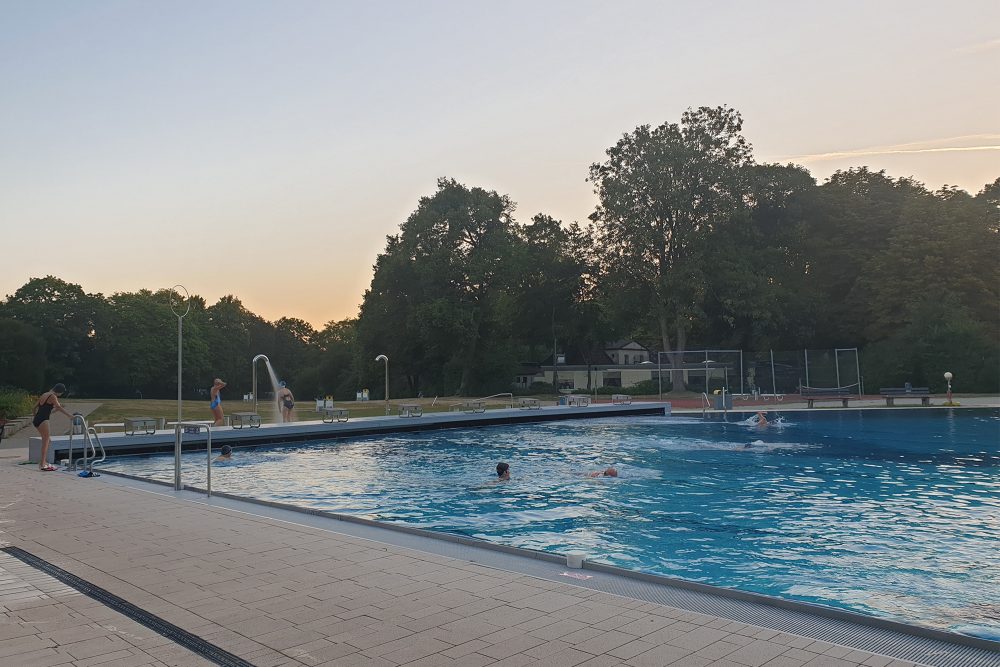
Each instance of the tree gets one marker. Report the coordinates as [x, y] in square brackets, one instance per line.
[436, 302]
[661, 193]
[22, 356]
[337, 371]
[64, 316]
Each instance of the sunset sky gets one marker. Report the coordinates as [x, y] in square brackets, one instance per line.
[265, 149]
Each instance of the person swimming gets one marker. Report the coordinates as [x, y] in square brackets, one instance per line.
[761, 418]
[503, 472]
[226, 454]
[607, 472]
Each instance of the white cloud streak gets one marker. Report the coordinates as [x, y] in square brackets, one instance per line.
[915, 147]
[982, 47]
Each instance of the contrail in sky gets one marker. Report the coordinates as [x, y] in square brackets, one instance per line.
[908, 148]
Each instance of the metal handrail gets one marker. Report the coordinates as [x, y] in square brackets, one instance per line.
[705, 404]
[179, 435]
[90, 435]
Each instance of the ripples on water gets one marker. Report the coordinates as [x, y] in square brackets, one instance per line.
[893, 513]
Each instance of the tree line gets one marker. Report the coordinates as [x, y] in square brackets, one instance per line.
[692, 244]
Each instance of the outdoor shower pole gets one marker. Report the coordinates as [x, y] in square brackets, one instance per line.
[384, 358]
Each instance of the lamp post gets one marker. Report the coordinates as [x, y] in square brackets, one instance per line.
[175, 307]
[948, 376]
[384, 358]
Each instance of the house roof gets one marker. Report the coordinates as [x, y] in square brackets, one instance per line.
[624, 344]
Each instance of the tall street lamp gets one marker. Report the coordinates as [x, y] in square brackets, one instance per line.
[384, 358]
[948, 376]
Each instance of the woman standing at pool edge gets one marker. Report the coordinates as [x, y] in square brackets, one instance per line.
[46, 403]
[216, 405]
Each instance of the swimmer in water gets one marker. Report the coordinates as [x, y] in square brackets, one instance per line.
[607, 472]
[225, 455]
[761, 419]
[503, 472]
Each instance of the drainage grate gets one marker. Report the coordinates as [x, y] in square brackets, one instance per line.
[189, 641]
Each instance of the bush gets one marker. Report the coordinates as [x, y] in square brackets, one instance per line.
[14, 403]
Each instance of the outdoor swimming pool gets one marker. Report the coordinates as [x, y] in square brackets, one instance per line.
[894, 513]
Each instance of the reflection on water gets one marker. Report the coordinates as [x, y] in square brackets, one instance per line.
[894, 513]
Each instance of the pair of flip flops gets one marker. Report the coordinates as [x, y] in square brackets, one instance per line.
[47, 469]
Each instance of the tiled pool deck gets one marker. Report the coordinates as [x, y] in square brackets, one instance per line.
[275, 592]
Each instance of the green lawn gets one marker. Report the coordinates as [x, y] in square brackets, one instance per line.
[116, 409]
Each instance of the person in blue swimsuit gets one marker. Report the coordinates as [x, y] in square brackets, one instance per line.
[216, 405]
[46, 403]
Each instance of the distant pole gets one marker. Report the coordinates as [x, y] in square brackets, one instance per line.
[659, 373]
[384, 358]
[175, 308]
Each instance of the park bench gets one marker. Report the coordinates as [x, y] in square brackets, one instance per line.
[890, 394]
[578, 401]
[530, 404]
[103, 426]
[332, 414]
[147, 425]
[410, 410]
[812, 394]
[241, 419]
[621, 399]
[475, 405]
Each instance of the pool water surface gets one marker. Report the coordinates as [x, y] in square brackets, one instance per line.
[894, 513]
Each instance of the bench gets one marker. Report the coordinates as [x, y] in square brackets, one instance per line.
[471, 406]
[578, 401]
[812, 394]
[621, 399]
[530, 404]
[145, 424]
[106, 425]
[411, 410]
[335, 414]
[241, 419]
[890, 394]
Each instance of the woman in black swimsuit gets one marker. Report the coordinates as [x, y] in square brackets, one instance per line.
[48, 402]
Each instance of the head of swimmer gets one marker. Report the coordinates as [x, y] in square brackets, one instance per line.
[503, 471]
[59, 389]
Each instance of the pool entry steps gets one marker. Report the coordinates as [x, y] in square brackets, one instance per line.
[163, 440]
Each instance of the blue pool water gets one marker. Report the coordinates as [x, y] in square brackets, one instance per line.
[894, 513]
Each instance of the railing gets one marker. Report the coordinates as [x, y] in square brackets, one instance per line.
[705, 404]
[89, 438]
[179, 442]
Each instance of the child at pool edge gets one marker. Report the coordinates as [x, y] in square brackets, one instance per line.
[503, 472]
[225, 455]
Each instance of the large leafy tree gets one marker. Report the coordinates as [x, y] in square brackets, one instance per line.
[662, 191]
[136, 346]
[64, 315]
[438, 301]
[22, 356]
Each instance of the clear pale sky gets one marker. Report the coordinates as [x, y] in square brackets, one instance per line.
[265, 149]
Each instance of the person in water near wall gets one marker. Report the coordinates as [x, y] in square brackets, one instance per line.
[225, 455]
[216, 405]
[286, 400]
[503, 472]
[761, 418]
[46, 403]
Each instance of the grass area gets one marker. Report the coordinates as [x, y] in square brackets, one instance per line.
[115, 410]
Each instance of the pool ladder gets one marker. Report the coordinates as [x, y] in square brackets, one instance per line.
[90, 457]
